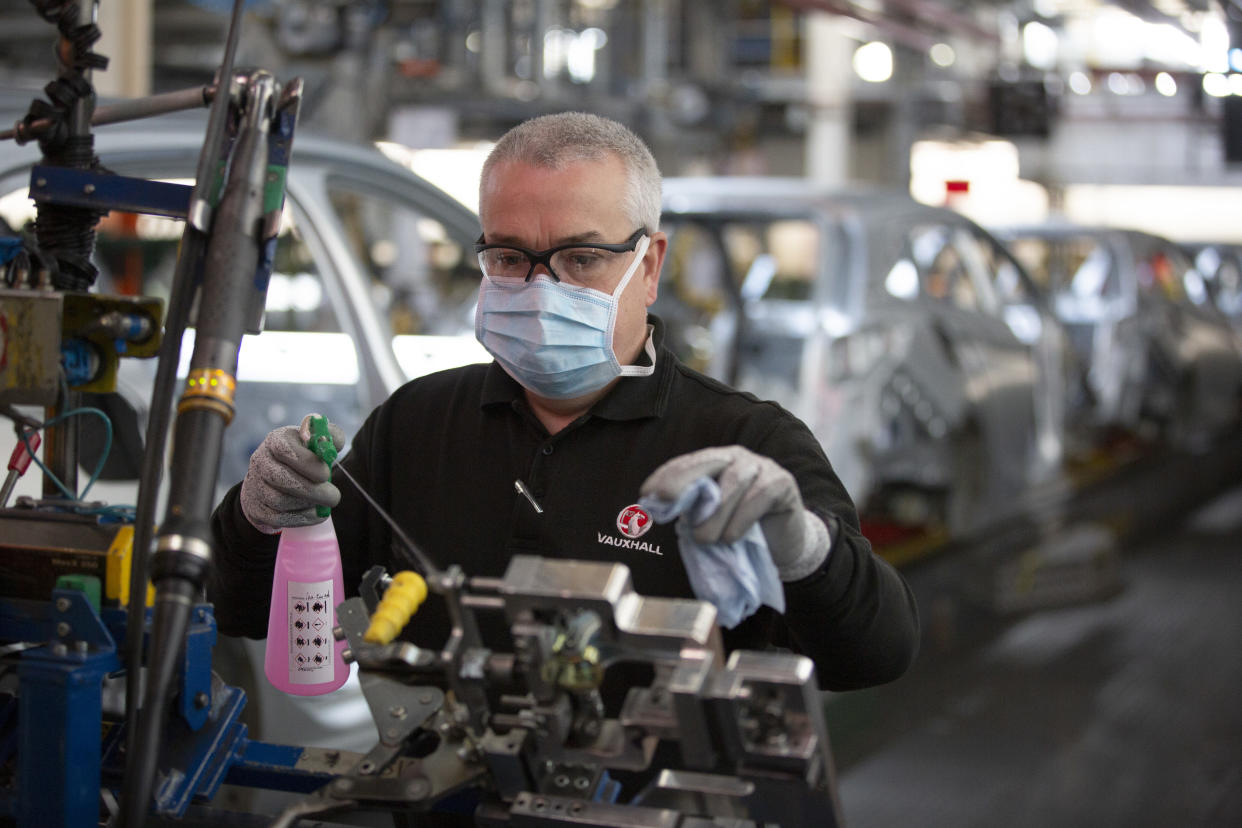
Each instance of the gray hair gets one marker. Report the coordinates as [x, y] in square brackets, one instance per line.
[561, 138]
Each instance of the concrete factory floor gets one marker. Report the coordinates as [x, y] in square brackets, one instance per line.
[1120, 711]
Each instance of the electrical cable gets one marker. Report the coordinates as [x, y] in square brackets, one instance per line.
[24, 435]
[24, 426]
[75, 503]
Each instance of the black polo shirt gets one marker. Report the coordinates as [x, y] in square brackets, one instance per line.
[443, 452]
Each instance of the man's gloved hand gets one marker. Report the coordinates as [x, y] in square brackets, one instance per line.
[286, 480]
[752, 488]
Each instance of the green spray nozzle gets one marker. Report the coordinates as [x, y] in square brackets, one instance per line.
[320, 442]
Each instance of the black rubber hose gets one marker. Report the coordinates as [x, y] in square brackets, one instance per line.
[140, 762]
[172, 618]
[179, 304]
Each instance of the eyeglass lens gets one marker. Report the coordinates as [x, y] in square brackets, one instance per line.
[584, 266]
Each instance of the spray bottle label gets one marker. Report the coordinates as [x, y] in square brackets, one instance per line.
[310, 632]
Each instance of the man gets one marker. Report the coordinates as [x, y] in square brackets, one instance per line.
[546, 450]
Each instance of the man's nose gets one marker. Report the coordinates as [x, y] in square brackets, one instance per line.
[542, 269]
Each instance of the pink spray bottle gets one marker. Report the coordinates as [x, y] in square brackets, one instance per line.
[303, 657]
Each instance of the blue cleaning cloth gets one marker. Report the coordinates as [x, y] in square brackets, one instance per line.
[735, 577]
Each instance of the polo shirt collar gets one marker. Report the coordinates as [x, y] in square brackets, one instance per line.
[632, 398]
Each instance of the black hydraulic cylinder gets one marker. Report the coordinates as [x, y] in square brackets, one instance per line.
[183, 549]
[228, 291]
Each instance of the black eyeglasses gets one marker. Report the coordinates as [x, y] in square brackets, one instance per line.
[586, 264]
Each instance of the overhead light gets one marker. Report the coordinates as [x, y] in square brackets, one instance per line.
[942, 54]
[1214, 42]
[1216, 85]
[1166, 85]
[873, 62]
[1040, 45]
[1080, 83]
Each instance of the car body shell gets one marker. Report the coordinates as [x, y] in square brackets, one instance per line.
[1220, 266]
[1162, 358]
[906, 391]
[312, 368]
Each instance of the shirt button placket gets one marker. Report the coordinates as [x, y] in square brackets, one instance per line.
[539, 469]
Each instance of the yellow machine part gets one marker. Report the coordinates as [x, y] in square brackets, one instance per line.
[401, 600]
[120, 558]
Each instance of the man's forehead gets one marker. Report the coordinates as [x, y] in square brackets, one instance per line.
[521, 239]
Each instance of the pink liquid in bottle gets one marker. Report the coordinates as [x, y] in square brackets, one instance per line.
[302, 656]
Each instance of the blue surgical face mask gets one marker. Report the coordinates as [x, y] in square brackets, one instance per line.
[555, 339]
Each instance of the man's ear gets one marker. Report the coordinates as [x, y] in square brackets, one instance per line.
[653, 262]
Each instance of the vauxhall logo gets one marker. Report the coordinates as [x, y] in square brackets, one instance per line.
[632, 522]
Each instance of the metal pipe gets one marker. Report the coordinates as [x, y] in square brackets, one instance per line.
[60, 447]
[121, 111]
[79, 120]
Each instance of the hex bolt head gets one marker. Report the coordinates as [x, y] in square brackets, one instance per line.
[62, 604]
[201, 700]
[63, 629]
[338, 633]
[397, 711]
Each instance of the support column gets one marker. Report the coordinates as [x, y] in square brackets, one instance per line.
[126, 42]
[829, 75]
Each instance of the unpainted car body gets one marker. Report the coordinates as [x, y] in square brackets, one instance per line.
[1220, 266]
[1162, 359]
[902, 334]
[375, 278]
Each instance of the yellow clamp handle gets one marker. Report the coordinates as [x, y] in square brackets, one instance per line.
[401, 600]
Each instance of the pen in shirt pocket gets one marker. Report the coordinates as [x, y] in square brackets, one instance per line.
[526, 493]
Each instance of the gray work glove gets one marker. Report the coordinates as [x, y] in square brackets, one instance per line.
[752, 488]
[286, 480]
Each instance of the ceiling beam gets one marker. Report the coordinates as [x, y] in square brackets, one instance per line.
[919, 35]
[905, 35]
[945, 18]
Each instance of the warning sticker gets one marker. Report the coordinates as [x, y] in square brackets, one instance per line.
[310, 632]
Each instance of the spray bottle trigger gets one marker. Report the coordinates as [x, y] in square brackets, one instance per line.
[320, 442]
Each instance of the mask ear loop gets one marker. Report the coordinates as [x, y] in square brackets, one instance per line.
[640, 251]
